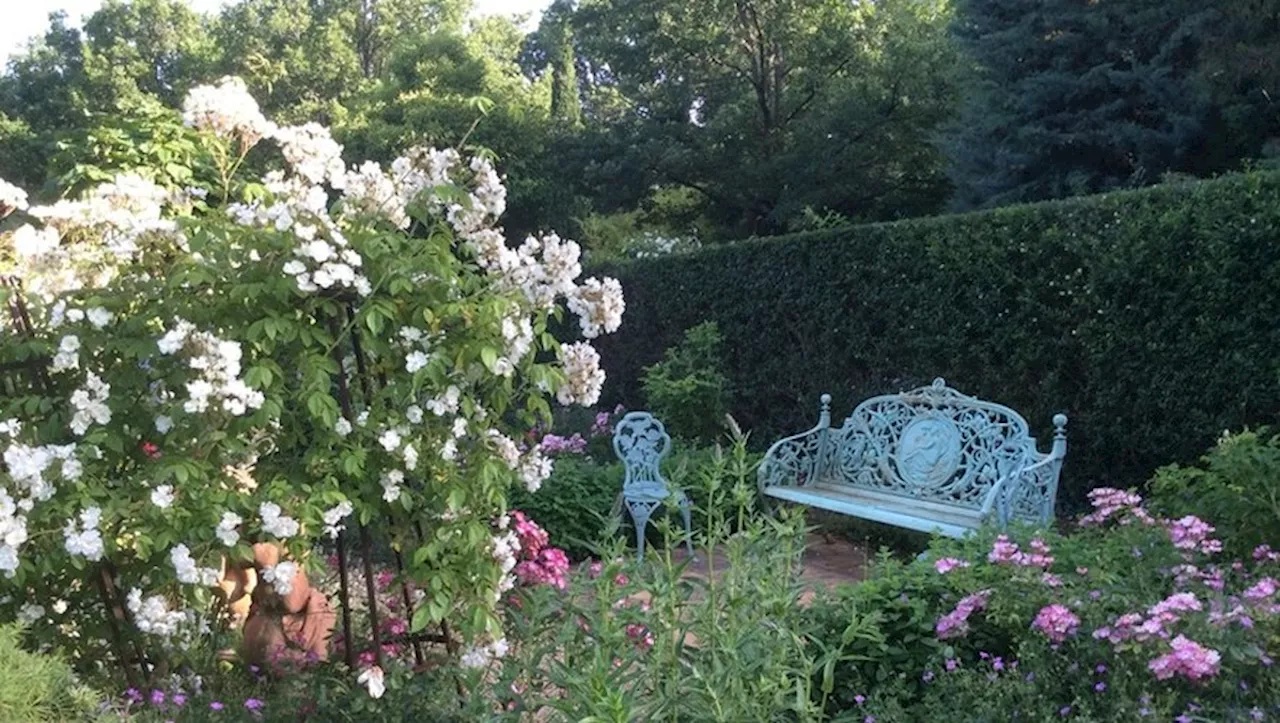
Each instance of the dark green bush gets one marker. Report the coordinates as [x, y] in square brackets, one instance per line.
[687, 390]
[1237, 487]
[1148, 316]
[574, 503]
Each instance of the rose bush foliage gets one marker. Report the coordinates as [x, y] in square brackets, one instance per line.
[187, 371]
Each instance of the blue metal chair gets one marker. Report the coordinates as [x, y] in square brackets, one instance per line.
[642, 442]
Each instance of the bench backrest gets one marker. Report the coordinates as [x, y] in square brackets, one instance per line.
[641, 441]
[931, 443]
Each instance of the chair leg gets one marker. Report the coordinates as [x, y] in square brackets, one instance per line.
[687, 514]
[640, 512]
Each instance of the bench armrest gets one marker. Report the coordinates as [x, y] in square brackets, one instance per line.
[797, 460]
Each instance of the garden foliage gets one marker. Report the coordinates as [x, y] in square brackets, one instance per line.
[1147, 316]
[321, 352]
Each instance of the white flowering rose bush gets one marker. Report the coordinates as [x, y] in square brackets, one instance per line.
[187, 372]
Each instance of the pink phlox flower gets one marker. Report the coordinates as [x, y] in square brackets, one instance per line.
[1188, 659]
[956, 623]
[947, 564]
[1051, 580]
[555, 444]
[1264, 553]
[1003, 550]
[1106, 502]
[1190, 532]
[1167, 610]
[1057, 622]
[1261, 590]
[550, 567]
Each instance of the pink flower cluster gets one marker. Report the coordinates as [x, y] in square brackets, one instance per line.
[1264, 553]
[549, 567]
[955, 624]
[640, 634]
[542, 564]
[532, 537]
[1167, 610]
[1057, 622]
[947, 564]
[554, 444]
[1006, 551]
[1192, 533]
[1108, 501]
[1188, 658]
[1263, 590]
[603, 424]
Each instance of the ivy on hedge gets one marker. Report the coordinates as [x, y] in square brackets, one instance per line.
[1151, 317]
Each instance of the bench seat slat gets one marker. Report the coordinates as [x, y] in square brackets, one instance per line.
[857, 503]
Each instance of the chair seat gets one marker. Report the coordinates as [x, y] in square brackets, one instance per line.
[948, 520]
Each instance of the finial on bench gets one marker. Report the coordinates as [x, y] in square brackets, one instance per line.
[1059, 425]
[824, 416]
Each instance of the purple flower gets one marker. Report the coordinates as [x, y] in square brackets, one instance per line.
[253, 704]
[1144, 711]
[928, 676]
[1100, 669]
[157, 697]
[952, 664]
[859, 699]
[1031, 677]
[1099, 687]
[1184, 718]
[1256, 713]
[1064, 711]
[215, 705]
[998, 663]
[179, 699]
[869, 719]
[133, 695]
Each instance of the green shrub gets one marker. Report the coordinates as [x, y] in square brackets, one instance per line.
[687, 389]
[35, 687]
[1237, 486]
[1148, 316]
[574, 504]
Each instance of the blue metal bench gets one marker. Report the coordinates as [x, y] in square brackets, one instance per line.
[642, 442]
[931, 459]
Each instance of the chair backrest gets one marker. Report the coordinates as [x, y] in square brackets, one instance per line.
[932, 443]
[641, 441]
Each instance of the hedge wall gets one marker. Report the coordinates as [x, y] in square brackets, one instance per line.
[1151, 317]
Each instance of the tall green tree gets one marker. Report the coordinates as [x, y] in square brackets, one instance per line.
[765, 107]
[1069, 97]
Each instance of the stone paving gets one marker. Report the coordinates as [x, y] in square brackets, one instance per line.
[827, 562]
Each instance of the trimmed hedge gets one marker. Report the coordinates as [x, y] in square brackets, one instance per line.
[1151, 317]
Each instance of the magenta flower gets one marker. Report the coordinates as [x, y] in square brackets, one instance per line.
[1167, 610]
[1263, 589]
[1190, 532]
[532, 537]
[254, 704]
[1057, 622]
[1003, 550]
[216, 705]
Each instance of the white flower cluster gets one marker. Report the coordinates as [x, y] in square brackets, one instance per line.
[446, 403]
[334, 516]
[187, 571]
[276, 524]
[226, 531]
[12, 198]
[30, 242]
[153, 615]
[479, 656]
[120, 213]
[162, 496]
[27, 466]
[342, 427]
[585, 377]
[391, 482]
[30, 613]
[518, 334]
[370, 191]
[323, 259]
[13, 533]
[218, 363]
[281, 576]
[599, 306]
[90, 403]
[85, 540]
[68, 355]
[312, 153]
[227, 110]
